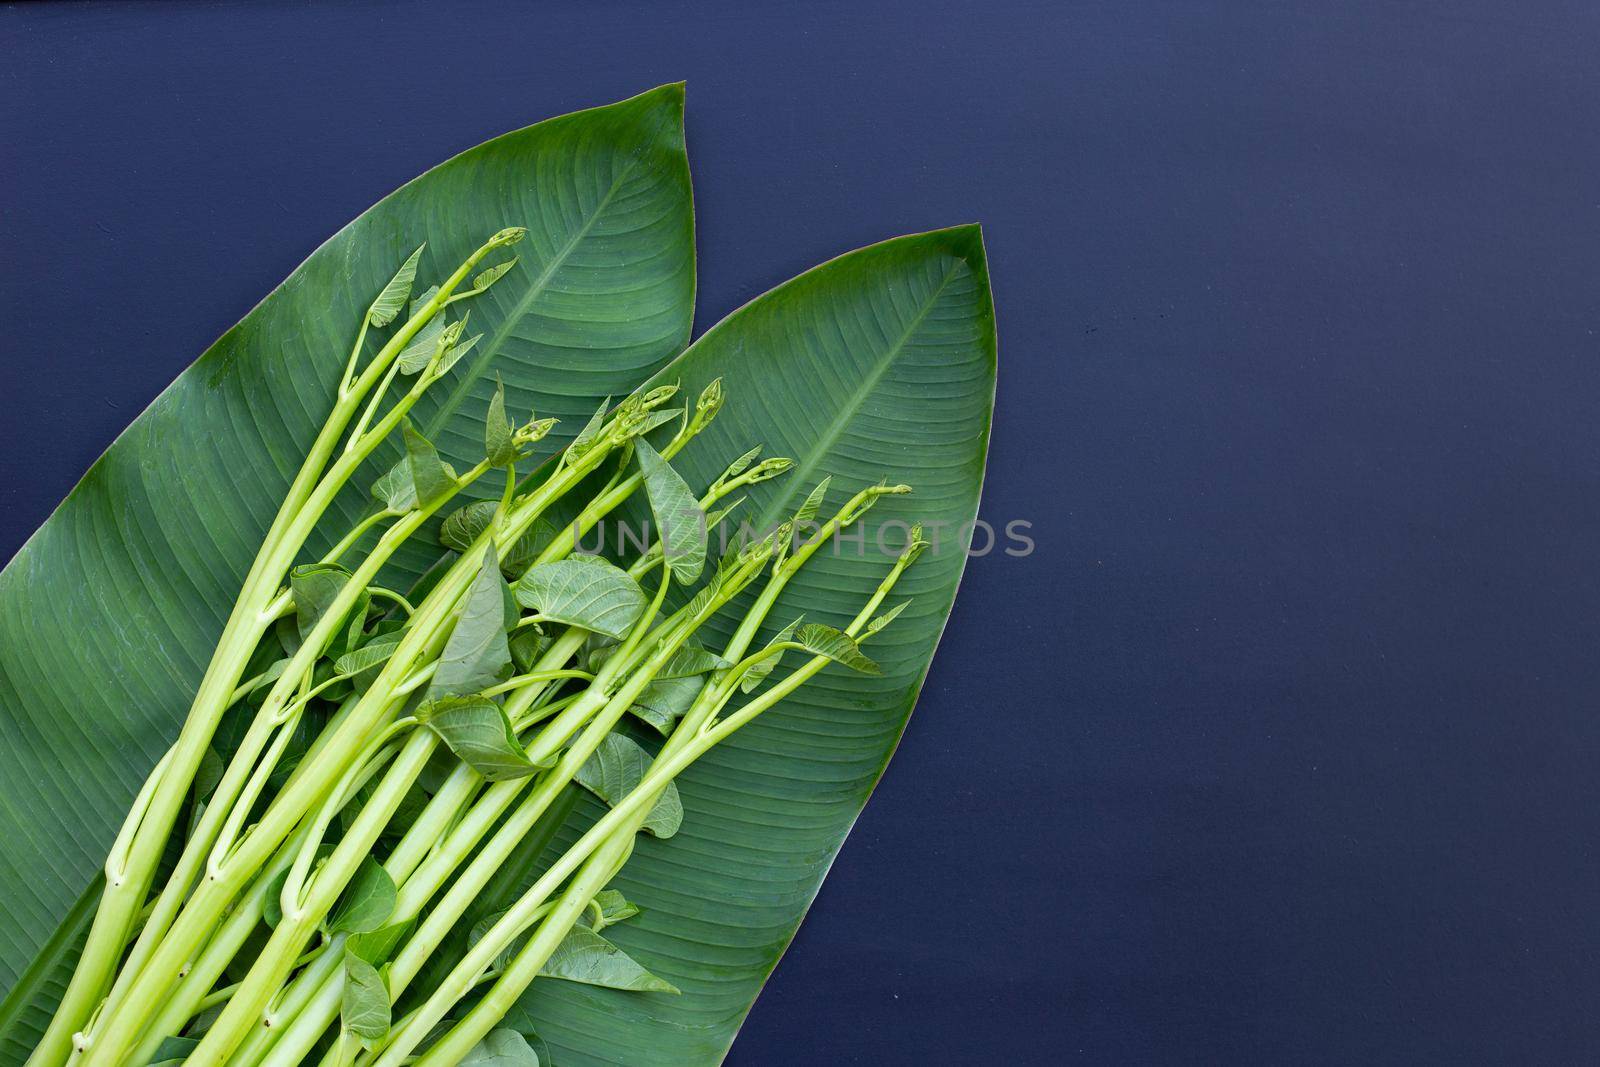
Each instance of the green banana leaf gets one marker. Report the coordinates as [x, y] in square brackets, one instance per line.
[876, 365]
[879, 364]
[109, 612]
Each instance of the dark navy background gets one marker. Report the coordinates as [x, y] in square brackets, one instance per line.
[1284, 746]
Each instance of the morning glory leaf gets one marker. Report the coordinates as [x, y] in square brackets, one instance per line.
[367, 902]
[616, 768]
[502, 1048]
[738, 466]
[663, 702]
[453, 356]
[597, 648]
[705, 594]
[476, 655]
[364, 1008]
[614, 908]
[813, 504]
[423, 297]
[354, 626]
[714, 518]
[758, 671]
[655, 419]
[374, 946]
[690, 660]
[482, 927]
[806, 516]
[681, 523]
[314, 587]
[479, 733]
[396, 490]
[529, 545]
[430, 475]
[838, 646]
[462, 527]
[173, 1051]
[886, 618]
[484, 279]
[586, 592]
[373, 654]
[526, 645]
[584, 956]
[586, 436]
[499, 443]
[393, 297]
[422, 347]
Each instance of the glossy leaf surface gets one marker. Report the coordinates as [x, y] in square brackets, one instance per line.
[877, 365]
[109, 613]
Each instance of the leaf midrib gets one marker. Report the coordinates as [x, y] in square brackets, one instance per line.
[486, 355]
[801, 480]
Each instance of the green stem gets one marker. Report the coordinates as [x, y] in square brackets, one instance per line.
[489, 808]
[558, 921]
[422, 839]
[390, 594]
[424, 635]
[417, 883]
[299, 922]
[211, 836]
[606, 713]
[200, 843]
[512, 530]
[348, 540]
[276, 1026]
[615, 823]
[305, 1026]
[418, 886]
[377, 753]
[214, 892]
[523, 681]
[187, 999]
[109, 931]
[355, 354]
[372, 406]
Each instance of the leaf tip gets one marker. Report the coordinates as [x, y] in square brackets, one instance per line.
[915, 544]
[711, 400]
[771, 468]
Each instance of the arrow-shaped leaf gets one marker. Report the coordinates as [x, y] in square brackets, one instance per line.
[615, 770]
[479, 733]
[585, 591]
